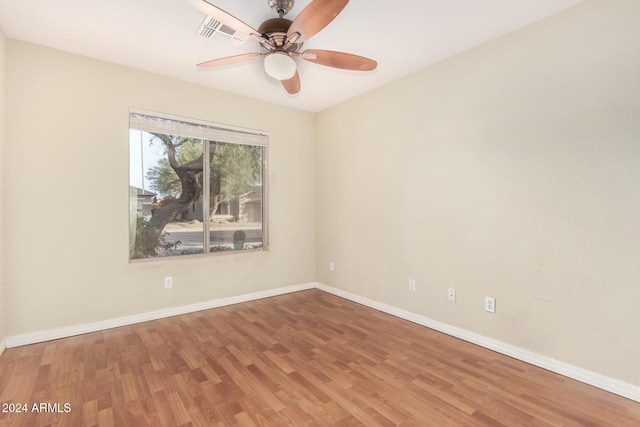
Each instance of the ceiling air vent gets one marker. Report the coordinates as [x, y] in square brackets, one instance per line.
[211, 28]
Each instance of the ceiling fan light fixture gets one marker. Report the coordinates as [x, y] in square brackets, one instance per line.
[280, 66]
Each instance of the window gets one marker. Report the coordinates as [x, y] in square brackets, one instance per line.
[194, 187]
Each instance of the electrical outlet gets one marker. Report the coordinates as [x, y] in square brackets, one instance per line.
[412, 285]
[332, 266]
[490, 304]
[451, 295]
[168, 282]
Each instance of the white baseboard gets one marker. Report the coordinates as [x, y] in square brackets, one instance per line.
[68, 331]
[588, 377]
[597, 380]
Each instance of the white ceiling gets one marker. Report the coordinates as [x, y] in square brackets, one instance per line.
[159, 36]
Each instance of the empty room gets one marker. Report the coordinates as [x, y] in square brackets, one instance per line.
[320, 213]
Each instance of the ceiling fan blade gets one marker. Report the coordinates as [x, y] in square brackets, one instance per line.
[224, 17]
[345, 61]
[230, 60]
[317, 15]
[292, 86]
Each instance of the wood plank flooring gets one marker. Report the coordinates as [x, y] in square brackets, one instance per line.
[302, 359]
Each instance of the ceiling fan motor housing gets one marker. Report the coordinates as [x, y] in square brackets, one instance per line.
[275, 25]
[274, 31]
[281, 7]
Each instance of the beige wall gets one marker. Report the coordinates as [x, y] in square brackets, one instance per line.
[67, 199]
[2, 102]
[510, 171]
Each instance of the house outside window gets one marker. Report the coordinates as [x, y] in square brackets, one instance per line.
[195, 187]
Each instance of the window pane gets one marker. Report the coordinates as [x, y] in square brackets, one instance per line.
[235, 196]
[165, 195]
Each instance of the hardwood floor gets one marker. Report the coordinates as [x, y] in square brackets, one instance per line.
[302, 359]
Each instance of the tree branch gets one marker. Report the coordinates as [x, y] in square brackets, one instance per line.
[171, 149]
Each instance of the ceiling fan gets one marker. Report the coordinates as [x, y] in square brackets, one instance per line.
[281, 40]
